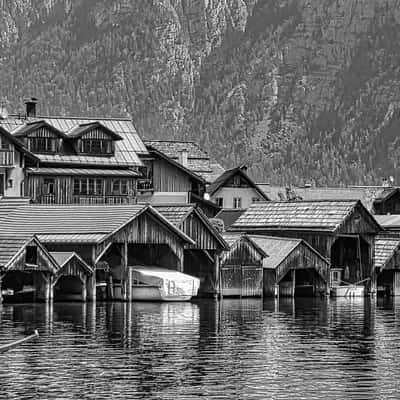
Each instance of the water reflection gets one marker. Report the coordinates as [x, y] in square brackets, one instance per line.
[249, 348]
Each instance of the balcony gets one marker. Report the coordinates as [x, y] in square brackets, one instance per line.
[90, 200]
[145, 185]
[6, 158]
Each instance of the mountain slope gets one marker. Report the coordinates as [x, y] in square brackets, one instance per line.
[300, 90]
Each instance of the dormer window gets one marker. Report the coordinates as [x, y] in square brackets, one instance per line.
[42, 144]
[96, 146]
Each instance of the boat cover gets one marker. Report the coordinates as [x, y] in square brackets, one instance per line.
[170, 282]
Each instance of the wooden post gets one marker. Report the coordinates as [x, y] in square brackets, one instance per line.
[293, 282]
[51, 289]
[217, 276]
[1, 296]
[91, 287]
[129, 294]
[124, 265]
[84, 291]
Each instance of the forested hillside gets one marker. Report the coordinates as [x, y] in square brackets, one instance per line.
[298, 89]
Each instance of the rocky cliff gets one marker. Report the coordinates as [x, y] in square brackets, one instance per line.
[298, 89]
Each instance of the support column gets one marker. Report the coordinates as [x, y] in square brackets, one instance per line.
[47, 287]
[130, 281]
[1, 288]
[293, 282]
[84, 291]
[91, 287]
[124, 265]
[217, 276]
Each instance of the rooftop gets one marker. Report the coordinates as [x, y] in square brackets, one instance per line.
[67, 222]
[302, 215]
[127, 151]
[389, 222]
[198, 160]
[385, 248]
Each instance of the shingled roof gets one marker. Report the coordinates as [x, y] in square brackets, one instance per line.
[9, 204]
[325, 216]
[385, 249]
[198, 160]
[67, 221]
[389, 222]
[368, 195]
[127, 151]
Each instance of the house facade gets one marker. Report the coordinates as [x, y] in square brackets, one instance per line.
[15, 158]
[234, 189]
[80, 160]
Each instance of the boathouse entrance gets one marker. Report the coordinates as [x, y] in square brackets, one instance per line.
[350, 259]
[27, 270]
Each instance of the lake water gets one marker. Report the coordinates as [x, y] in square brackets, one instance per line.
[235, 349]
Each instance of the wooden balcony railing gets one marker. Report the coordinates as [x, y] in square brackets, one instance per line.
[81, 199]
[6, 158]
[144, 185]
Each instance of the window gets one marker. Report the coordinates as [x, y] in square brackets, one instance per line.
[31, 255]
[88, 186]
[42, 144]
[119, 186]
[5, 145]
[48, 186]
[236, 180]
[219, 201]
[237, 202]
[96, 146]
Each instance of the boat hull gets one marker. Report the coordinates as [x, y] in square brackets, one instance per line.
[348, 291]
[153, 293]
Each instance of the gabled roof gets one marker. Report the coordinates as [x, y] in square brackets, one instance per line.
[193, 175]
[63, 258]
[385, 249]
[81, 129]
[178, 214]
[322, 216]
[69, 221]
[231, 238]
[199, 161]
[229, 215]
[17, 144]
[11, 246]
[127, 151]
[222, 179]
[31, 126]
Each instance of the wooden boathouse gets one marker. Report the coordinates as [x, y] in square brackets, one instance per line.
[201, 259]
[341, 231]
[242, 266]
[26, 268]
[101, 235]
[387, 264]
[272, 266]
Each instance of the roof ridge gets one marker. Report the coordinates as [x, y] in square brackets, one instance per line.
[23, 118]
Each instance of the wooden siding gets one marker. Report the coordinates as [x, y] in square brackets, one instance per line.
[389, 206]
[196, 229]
[241, 280]
[145, 229]
[43, 262]
[64, 188]
[168, 178]
[242, 253]
[96, 133]
[72, 268]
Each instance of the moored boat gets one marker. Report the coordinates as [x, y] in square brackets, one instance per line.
[153, 283]
[348, 291]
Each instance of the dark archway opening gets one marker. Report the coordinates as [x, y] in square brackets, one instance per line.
[68, 288]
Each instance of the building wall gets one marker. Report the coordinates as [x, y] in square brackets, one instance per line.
[14, 177]
[167, 178]
[228, 194]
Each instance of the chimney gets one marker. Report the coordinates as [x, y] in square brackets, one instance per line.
[183, 157]
[3, 110]
[30, 109]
